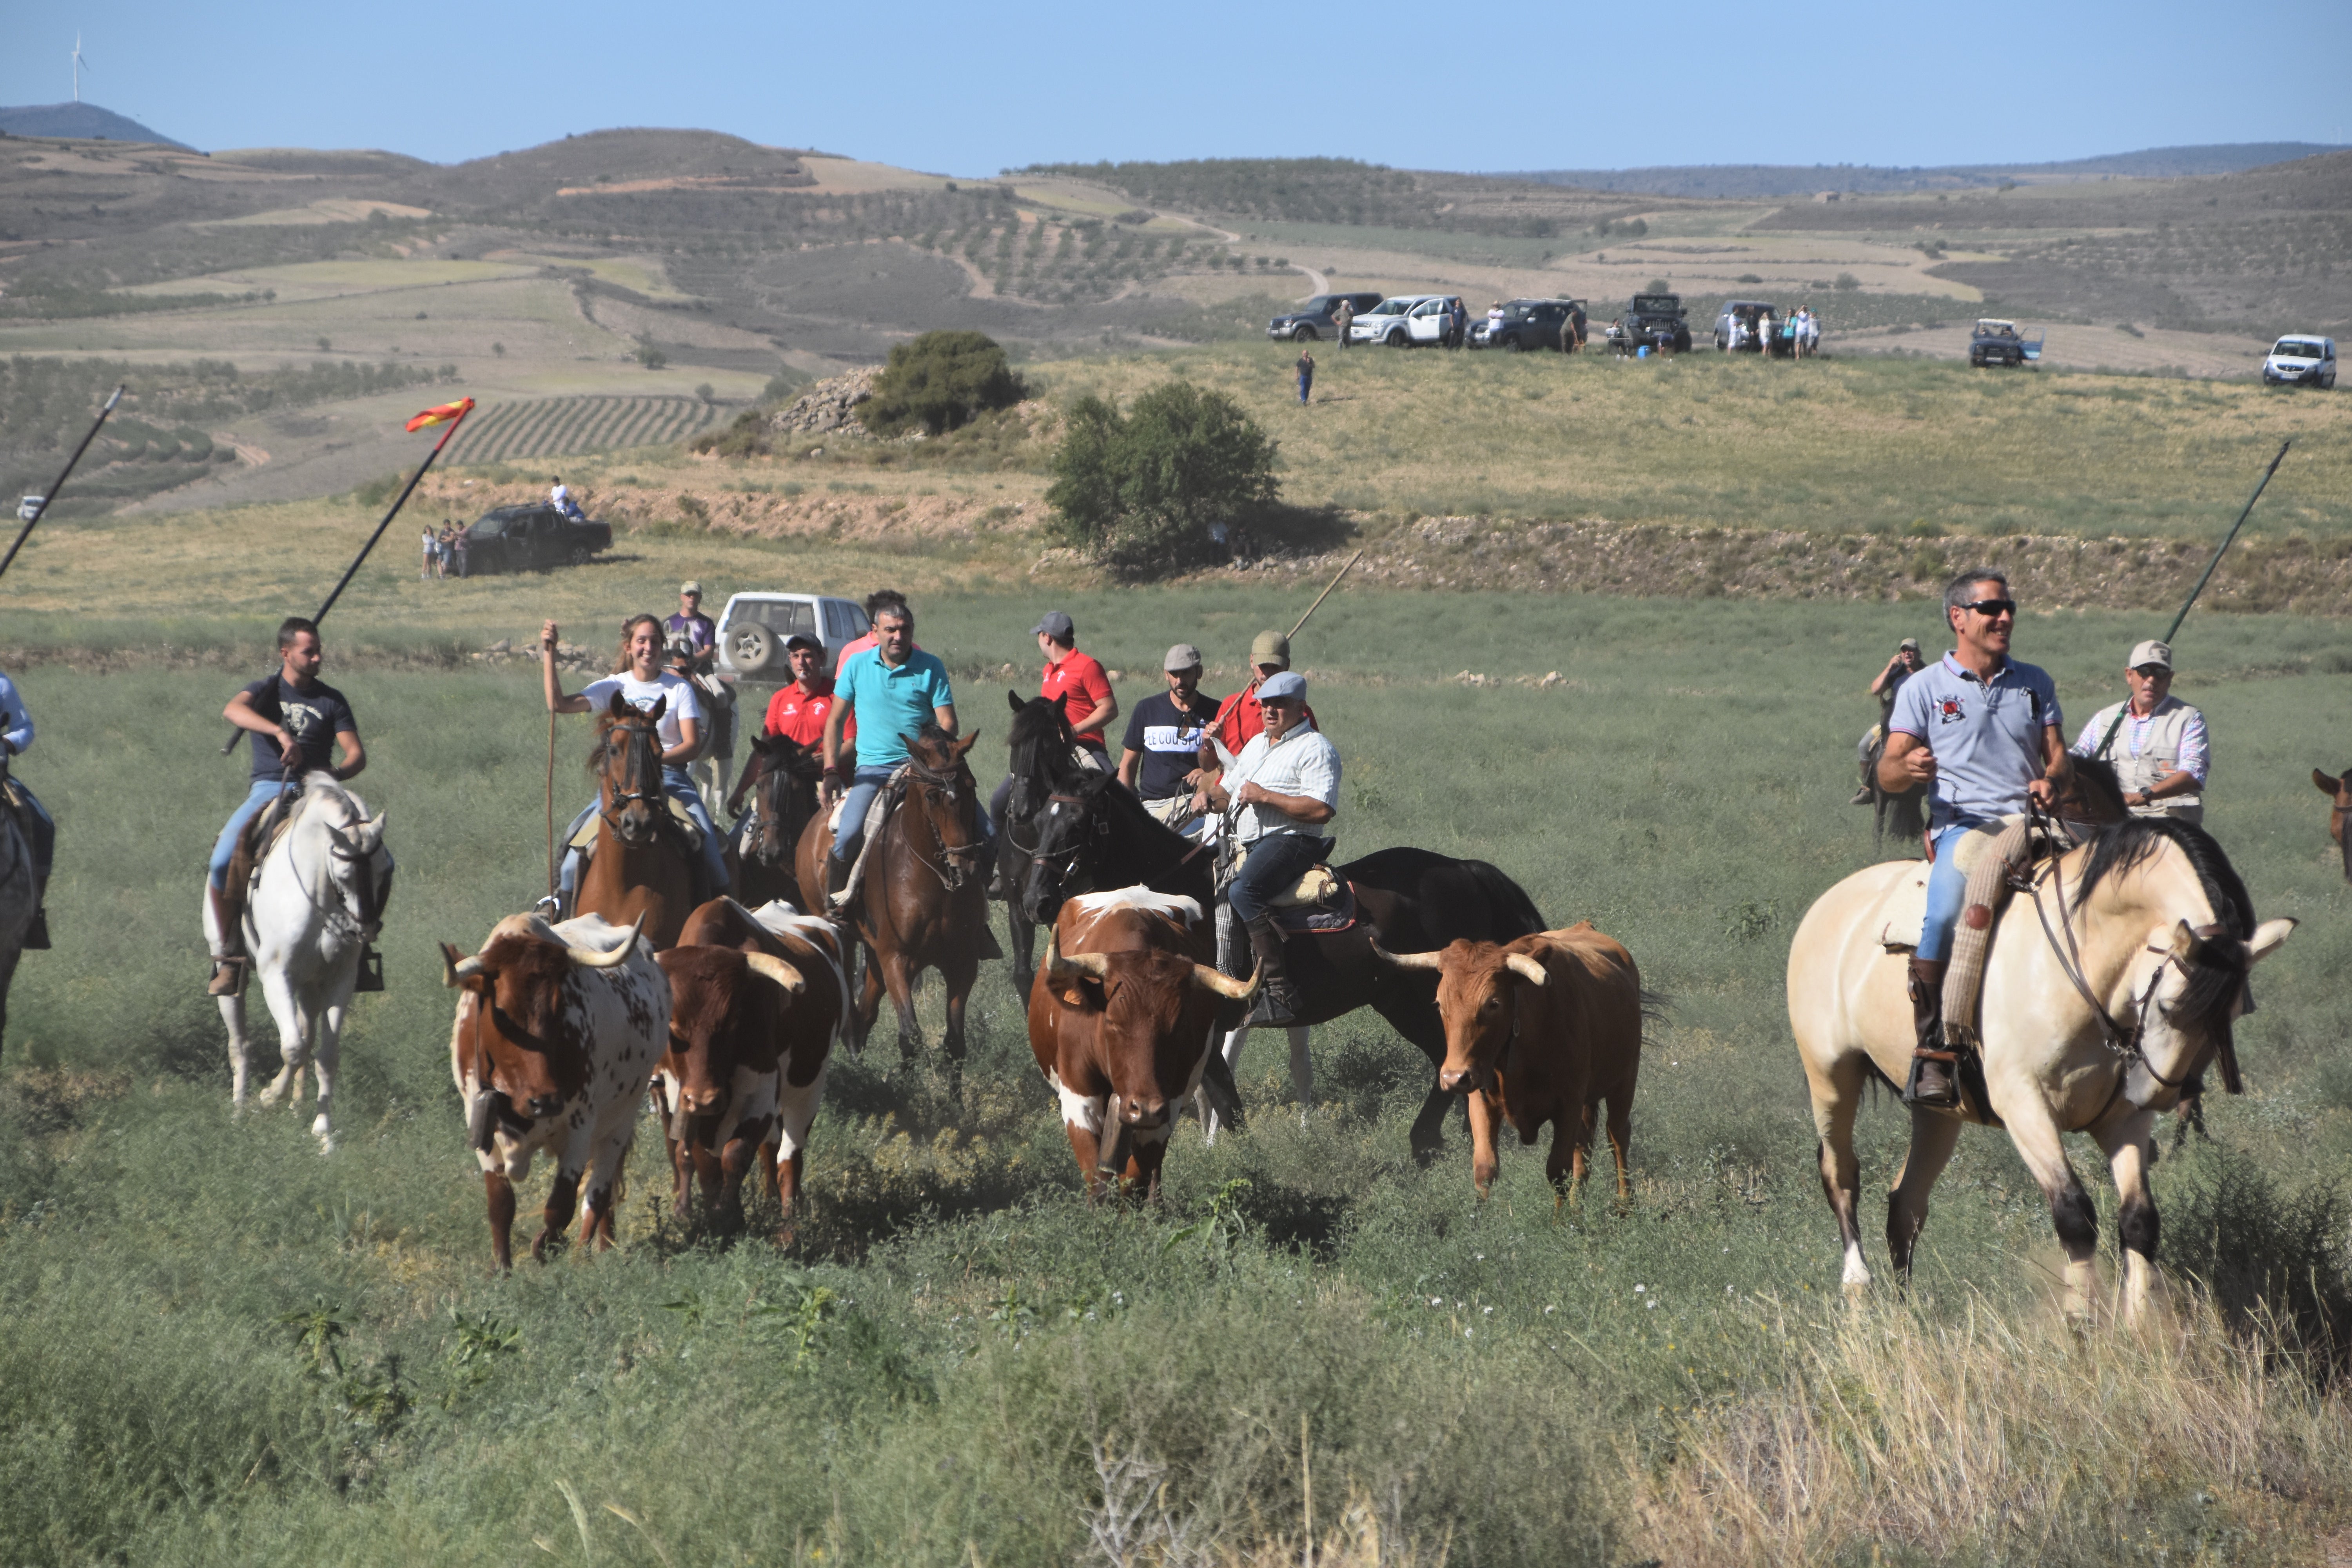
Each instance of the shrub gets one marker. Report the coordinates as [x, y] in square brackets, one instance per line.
[1847, 282]
[1150, 491]
[942, 381]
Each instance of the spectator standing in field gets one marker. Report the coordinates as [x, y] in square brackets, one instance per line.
[1813, 333]
[1160, 757]
[2160, 754]
[1343, 317]
[1305, 374]
[457, 548]
[1458, 319]
[1494, 321]
[425, 570]
[1576, 311]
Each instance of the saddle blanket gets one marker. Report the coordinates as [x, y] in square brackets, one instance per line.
[1903, 910]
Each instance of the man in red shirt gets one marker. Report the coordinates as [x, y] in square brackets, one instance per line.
[1076, 681]
[797, 711]
[1238, 718]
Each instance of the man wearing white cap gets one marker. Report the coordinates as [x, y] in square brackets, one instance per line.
[2160, 750]
[1283, 790]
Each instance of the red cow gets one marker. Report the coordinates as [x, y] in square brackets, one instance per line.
[715, 1086]
[1540, 1029]
[557, 1032]
[1119, 1016]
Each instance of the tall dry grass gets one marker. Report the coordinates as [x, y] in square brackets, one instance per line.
[2004, 1434]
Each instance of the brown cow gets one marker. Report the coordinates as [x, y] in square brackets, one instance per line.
[2337, 788]
[1120, 1018]
[1540, 1029]
[811, 1026]
[715, 1085]
[557, 1032]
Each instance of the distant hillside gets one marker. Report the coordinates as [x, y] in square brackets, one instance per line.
[85, 121]
[1749, 180]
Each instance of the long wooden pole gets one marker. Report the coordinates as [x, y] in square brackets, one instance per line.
[1325, 594]
[41, 508]
[550, 805]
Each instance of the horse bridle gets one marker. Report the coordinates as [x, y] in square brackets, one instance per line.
[641, 736]
[950, 782]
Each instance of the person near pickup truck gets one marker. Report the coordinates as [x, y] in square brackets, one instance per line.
[1305, 374]
[1343, 317]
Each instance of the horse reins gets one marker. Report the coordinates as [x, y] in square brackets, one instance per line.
[951, 782]
[640, 737]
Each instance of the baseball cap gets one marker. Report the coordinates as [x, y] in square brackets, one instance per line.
[1910, 643]
[2150, 652]
[1271, 647]
[1183, 656]
[801, 639]
[689, 587]
[1284, 684]
[1056, 625]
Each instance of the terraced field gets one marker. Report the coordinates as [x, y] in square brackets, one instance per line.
[546, 426]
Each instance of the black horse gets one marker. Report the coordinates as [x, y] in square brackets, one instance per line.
[1098, 835]
[782, 779]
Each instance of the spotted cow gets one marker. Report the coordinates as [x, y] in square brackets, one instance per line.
[715, 1085]
[557, 1032]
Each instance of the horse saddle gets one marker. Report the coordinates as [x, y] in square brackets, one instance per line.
[1334, 911]
[680, 818]
[269, 825]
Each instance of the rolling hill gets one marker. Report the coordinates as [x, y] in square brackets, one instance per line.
[81, 122]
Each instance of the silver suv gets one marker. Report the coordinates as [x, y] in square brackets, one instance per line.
[753, 627]
[1406, 320]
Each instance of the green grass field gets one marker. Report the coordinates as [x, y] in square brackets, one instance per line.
[962, 1363]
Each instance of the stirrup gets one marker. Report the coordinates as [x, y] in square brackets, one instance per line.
[371, 972]
[1951, 1098]
[229, 972]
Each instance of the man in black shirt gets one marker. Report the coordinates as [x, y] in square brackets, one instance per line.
[1159, 758]
[297, 721]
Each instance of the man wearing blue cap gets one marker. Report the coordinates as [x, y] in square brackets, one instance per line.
[1283, 790]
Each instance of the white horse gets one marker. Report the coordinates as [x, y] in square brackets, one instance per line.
[20, 898]
[318, 900]
[2108, 991]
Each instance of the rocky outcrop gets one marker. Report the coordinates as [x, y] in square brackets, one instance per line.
[830, 407]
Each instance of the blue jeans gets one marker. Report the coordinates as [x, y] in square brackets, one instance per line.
[263, 791]
[679, 788]
[864, 785]
[1948, 889]
[1306, 386]
[1274, 865]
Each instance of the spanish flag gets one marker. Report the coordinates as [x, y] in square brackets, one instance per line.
[448, 413]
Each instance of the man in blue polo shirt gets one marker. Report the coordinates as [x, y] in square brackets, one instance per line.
[1984, 733]
[895, 689]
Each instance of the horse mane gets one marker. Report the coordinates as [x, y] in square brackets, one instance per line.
[932, 747]
[2212, 987]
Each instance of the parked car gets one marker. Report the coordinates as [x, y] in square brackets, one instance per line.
[2001, 342]
[1525, 324]
[753, 627]
[1316, 319]
[1405, 320]
[1744, 310]
[2301, 362]
[532, 537]
[1654, 321]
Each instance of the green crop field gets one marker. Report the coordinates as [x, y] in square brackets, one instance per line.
[217, 1346]
[546, 426]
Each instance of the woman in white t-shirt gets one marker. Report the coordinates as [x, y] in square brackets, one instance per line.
[640, 682]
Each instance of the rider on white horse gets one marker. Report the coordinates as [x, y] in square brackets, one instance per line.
[297, 722]
[40, 829]
[1983, 732]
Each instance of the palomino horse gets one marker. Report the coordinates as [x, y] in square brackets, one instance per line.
[782, 779]
[20, 896]
[2106, 993]
[922, 901]
[2339, 790]
[318, 899]
[643, 872]
[1407, 900]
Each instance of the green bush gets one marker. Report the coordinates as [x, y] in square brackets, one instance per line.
[942, 381]
[1146, 492]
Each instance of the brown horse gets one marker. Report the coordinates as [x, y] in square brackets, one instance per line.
[781, 778]
[922, 899]
[643, 869]
[2339, 790]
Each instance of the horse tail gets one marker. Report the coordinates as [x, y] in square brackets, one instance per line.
[1515, 914]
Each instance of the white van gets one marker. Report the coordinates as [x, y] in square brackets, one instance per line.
[753, 627]
[2301, 362]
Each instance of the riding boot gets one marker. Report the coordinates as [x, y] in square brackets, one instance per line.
[836, 876]
[229, 959]
[1278, 1002]
[1932, 1081]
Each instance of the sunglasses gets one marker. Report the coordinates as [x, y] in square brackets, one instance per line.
[1992, 607]
[2153, 672]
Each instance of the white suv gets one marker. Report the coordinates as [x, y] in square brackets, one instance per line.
[2301, 362]
[753, 627]
[1404, 321]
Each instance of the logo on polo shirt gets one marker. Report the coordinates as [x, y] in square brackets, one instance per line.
[1949, 710]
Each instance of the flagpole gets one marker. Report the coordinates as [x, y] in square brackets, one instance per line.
[352, 571]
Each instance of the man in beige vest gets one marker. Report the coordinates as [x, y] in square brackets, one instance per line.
[2160, 750]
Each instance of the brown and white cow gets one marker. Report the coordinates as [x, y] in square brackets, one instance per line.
[811, 1026]
[1540, 1029]
[557, 1032]
[1120, 1018]
[715, 1085]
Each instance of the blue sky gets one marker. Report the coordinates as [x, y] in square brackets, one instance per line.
[964, 88]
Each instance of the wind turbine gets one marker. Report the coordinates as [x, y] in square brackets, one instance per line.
[80, 66]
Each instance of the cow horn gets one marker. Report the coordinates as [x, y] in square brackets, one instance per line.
[454, 975]
[589, 958]
[1067, 966]
[1429, 960]
[1225, 986]
[777, 970]
[1528, 969]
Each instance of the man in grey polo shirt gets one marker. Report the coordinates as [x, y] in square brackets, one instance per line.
[1984, 733]
[1286, 783]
